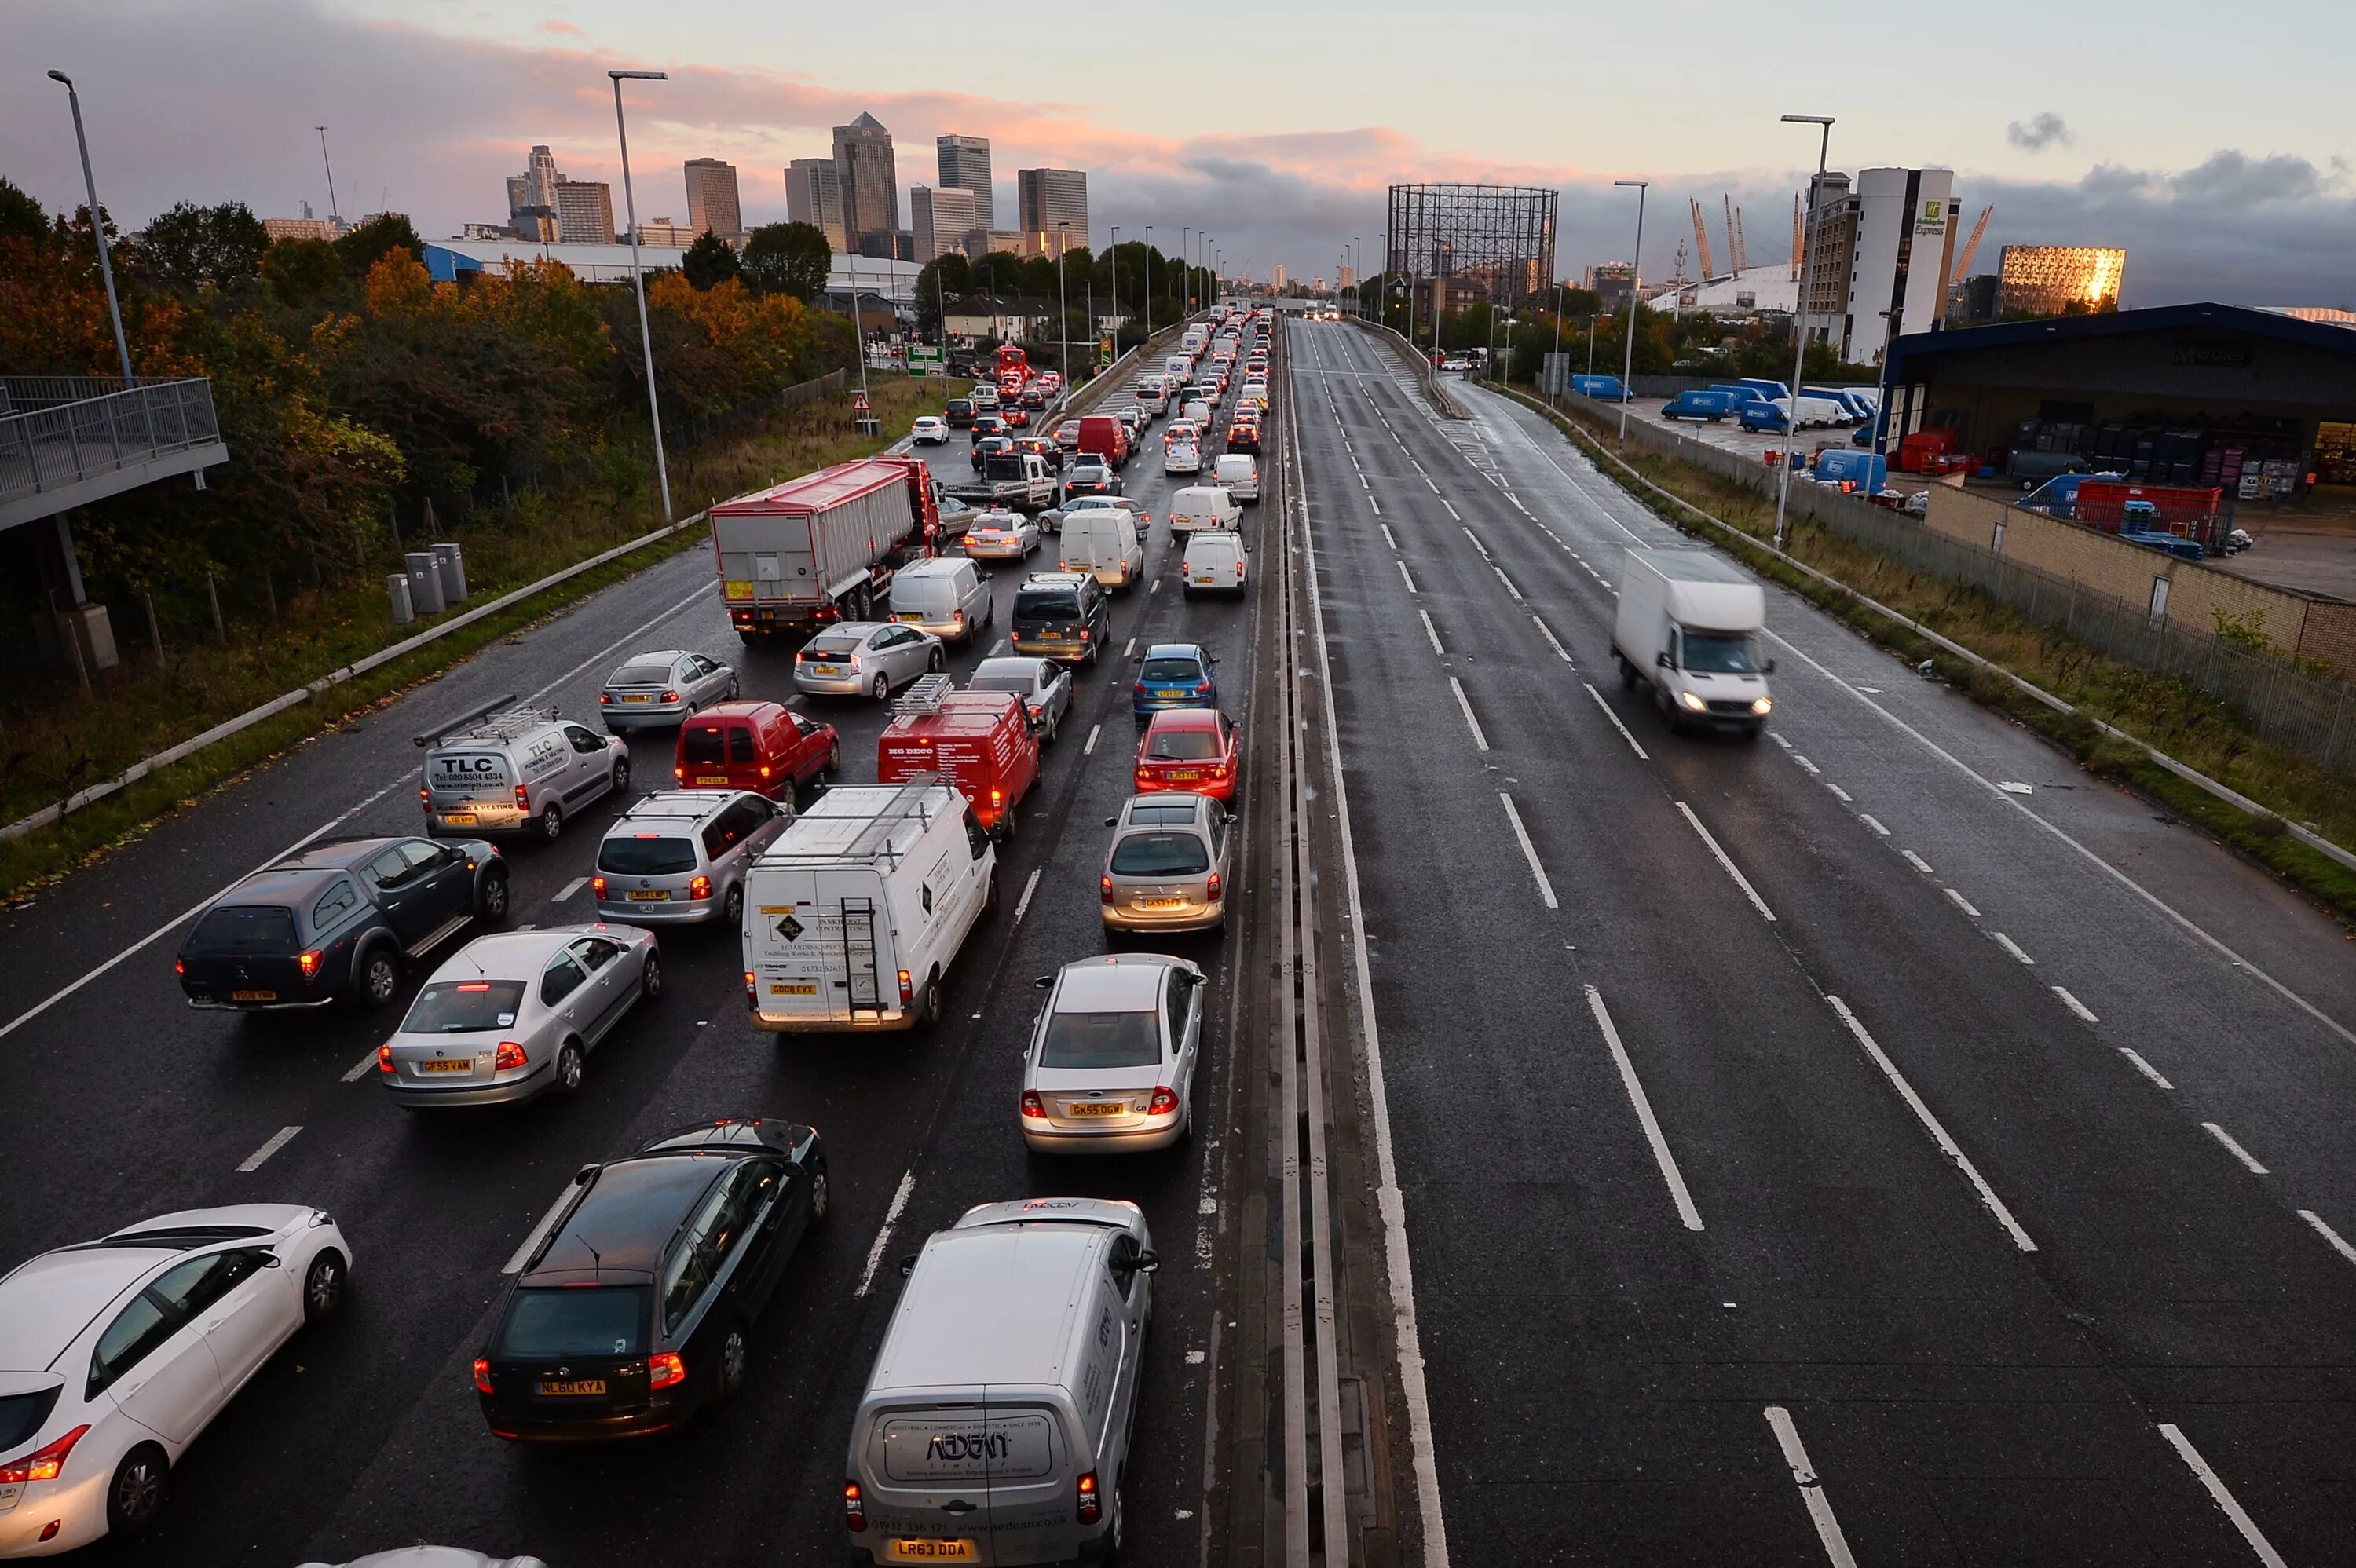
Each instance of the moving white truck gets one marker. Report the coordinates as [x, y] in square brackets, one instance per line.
[1688, 625]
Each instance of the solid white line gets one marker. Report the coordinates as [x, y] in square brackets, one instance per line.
[1740, 880]
[1615, 722]
[2009, 945]
[1529, 851]
[1947, 1146]
[2219, 1496]
[2339, 1243]
[1661, 1154]
[1547, 633]
[1089, 750]
[1430, 632]
[1918, 862]
[1965, 904]
[1871, 823]
[538, 1233]
[1410, 579]
[1388, 537]
[2146, 1068]
[366, 1066]
[1509, 585]
[2075, 1006]
[883, 1236]
[1128, 648]
[571, 888]
[1466, 704]
[278, 1140]
[1812, 1488]
[2237, 1150]
[1022, 904]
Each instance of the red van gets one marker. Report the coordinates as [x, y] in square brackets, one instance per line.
[1102, 435]
[766, 747]
[979, 741]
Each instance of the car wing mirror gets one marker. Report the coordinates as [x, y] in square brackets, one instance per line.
[1043, 981]
[1113, 822]
[1149, 1261]
[1662, 660]
[908, 1264]
[271, 1260]
[1196, 978]
[1768, 668]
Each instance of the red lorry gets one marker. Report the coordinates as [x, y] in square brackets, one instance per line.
[824, 547]
[979, 741]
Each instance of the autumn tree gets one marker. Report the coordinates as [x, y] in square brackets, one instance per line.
[369, 243]
[787, 259]
[300, 271]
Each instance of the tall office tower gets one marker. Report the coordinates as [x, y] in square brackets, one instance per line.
[1048, 197]
[519, 193]
[584, 212]
[965, 165]
[869, 183]
[942, 220]
[814, 197]
[712, 205]
[541, 170]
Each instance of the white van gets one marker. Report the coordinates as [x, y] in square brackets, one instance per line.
[1179, 368]
[853, 916]
[1238, 473]
[1199, 410]
[511, 768]
[1104, 541]
[996, 1424]
[1216, 563]
[1203, 506]
[945, 595]
[1689, 623]
[1149, 395]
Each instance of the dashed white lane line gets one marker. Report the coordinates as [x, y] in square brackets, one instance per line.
[2075, 1006]
[1636, 1097]
[1873, 823]
[1529, 851]
[2249, 1162]
[1377, 505]
[1388, 537]
[1845, 797]
[277, 1140]
[1807, 764]
[1128, 648]
[1552, 641]
[1435, 489]
[997, 647]
[1812, 1488]
[1615, 722]
[1452, 510]
[1432, 632]
[1465, 703]
[538, 1233]
[1154, 588]
[361, 1069]
[1918, 863]
[1732, 870]
[1478, 545]
[1965, 904]
[1947, 1146]
[2009, 945]
[1022, 904]
[571, 888]
[1509, 585]
[2223, 1498]
[1089, 749]
[2146, 1068]
[1409, 577]
[883, 1237]
[1779, 739]
[2337, 1242]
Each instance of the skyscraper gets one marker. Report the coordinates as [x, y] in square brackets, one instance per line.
[869, 183]
[584, 212]
[942, 218]
[532, 194]
[1051, 198]
[965, 165]
[712, 205]
[814, 196]
[541, 170]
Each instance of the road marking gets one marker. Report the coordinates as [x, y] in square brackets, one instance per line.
[1918, 862]
[1465, 703]
[539, 1233]
[1812, 1488]
[278, 1140]
[1388, 537]
[1965, 904]
[1807, 764]
[2237, 1150]
[997, 647]
[2009, 945]
[1547, 633]
[1129, 648]
[1529, 851]
[1509, 585]
[1661, 1154]
[883, 1236]
[1154, 588]
[2075, 1006]
[1022, 904]
[2146, 1068]
[1615, 722]
[1836, 789]
[1434, 635]
[1478, 545]
[1377, 505]
[571, 888]
[2339, 1243]
[1873, 823]
[366, 1066]
[2219, 1496]
[1410, 579]
[1452, 510]
[528, 925]
[1780, 741]
[1947, 1146]
[1435, 489]
[1740, 880]
[1089, 750]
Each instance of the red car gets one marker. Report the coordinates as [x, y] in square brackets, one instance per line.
[1017, 416]
[766, 747]
[1191, 750]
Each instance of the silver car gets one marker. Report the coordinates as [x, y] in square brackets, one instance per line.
[516, 1015]
[1168, 866]
[1044, 687]
[658, 689]
[678, 857]
[868, 657]
[1000, 536]
[1111, 1063]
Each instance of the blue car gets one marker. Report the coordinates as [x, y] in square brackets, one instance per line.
[1174, 675]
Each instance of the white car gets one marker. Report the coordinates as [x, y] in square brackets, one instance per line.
[1182, 457]
[1001, 536]
[1111, 1063]
[929, 430]
[115, 1354]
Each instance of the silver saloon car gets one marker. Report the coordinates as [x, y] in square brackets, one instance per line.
[1168, 866]
[869, 658]
[517, 1014]
[1044, 687]
[1111, 1064]
[1000, 536]
[658, 689]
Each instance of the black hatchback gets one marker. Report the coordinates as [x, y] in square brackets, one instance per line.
[637, 1309]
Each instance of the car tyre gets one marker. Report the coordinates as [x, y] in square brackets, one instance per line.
[734, 689]
[883, 687]
[732, 908]
[931, 1005]
[1627, 672]
[733, 1357]
[834, 758]
[819, 1199]
[551, 822]
[136, 1495]
[650, 980]
[934, 662]
[491, 897]
[568, 1067]
[990, 895]
[323, 1286]
[622, 773]
[1009, 823]
[376, 977]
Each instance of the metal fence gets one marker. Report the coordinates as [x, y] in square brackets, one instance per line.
[58, 429]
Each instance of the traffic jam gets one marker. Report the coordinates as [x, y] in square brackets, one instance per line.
[842, 798]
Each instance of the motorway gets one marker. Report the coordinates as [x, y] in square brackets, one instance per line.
[365, 1435]
[1877, 1143]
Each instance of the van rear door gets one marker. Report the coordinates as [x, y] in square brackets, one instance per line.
[994, 1476]
[823, 949]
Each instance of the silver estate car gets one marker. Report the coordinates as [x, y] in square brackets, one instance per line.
[678, 857]
[1044, 687]
[857, 658]
[516, 1015]
[658, 689]
[1111, 1064]
[1169, 864]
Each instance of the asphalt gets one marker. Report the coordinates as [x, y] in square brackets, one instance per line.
[122, 1102]
[1943, 1265]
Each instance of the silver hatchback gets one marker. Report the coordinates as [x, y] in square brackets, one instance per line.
[678, 857]
[657, 689]
[865, 657]
[1167, 865]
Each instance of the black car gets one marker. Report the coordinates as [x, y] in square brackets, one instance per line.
[960, 414]
[985, 445]
[1061, 615]
[637, 1309]
[1242, 437]
[1035, 397]
[983, 425]
[1091, 477]
[338, 919]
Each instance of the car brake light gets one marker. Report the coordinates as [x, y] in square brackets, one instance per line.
[1084, 634]
[751, 990]
[45, 1465]
[511, 1054]
[908, 991]
[423, 795]
[1211, 891]
[854, 1508]
[523, 800]
[309, 962]
[670, 697]
[179, 965]
[680, 773]
[1164, 1101]
[1091, 1504]
[605, 699]
[1032, 1106]
[384, 1059]
[664, 1367]
[1104, 888]
[597, 886]
[483, 1375]
[701, 887]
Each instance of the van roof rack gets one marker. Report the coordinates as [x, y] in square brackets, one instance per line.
[500, 719]
[909, 802]
[926, 694]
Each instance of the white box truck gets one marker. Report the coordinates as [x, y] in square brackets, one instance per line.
[1688, 625]
[854, 915]
[824, 547]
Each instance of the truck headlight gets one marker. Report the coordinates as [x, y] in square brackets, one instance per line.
[1761, 706]
[1690, 701]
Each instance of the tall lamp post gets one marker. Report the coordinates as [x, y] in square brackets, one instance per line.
[1799, 335]
[1556, 379]
[1064, 297]
[639, 276]
[98, 227]
[1115, 295]
[1149, 280]
[1635, 270]
[1186, 267]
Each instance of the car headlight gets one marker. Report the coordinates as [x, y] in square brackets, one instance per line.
[1761, 706]
[1690, 701]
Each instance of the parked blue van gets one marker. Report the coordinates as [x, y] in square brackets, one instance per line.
[1713, 406]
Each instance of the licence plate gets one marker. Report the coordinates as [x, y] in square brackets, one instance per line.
[571, 1387]
[712, 778]
[1162, 903]
[933, 1551]
[447, 1064]
[640, 697]
[1097, 1108]
[826, 669]
[654, 895]
[1173, 692]
[793, 988]
[1182, 775]
[254, 995]
[460, 819]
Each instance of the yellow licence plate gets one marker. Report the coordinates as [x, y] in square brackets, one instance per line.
[1182, 775]
[793, 988]
[826, 669]
[712, 778]
[655, 895]
[933, 1551]
[570, 1387]
[254, 995]
[447, 1064]
[460, 819]
[637, 697]
[1097, 1108]
[1162, 903]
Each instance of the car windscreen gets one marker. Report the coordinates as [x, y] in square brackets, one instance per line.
[1160, 855]
[1172, 669]
[1053, 604]
[21, 1415]
[244, 928]
[646, 855]
[1183, 746]
[1102, 1040]
[641, 674]
[1715, 653]
[600, 1321]
[463, 1007]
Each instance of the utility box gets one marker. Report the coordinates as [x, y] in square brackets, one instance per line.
[424, 584]
[397, 587]
[450, 565]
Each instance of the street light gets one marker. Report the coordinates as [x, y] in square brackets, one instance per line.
[637, 273]
[1635, 270]
[1115, 295]
[98, 226]
[1185, 263]
[1149, 280]
[1063, 296]
[1555, 381]
[1799, 335]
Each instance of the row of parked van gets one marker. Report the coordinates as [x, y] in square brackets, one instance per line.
[1765, 405]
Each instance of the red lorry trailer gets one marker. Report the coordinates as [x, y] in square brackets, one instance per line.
[2188, 511]
[824, 547]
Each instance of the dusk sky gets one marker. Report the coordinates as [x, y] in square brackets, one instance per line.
[2215, 145]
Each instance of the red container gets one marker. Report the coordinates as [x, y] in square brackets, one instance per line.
[1916, 450]
[2189, 510]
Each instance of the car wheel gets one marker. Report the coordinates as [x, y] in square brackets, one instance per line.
[491, 899]
[734, 689]
[323, 1286]
[378, 976]
[931, 1014]
[1009, 823]
[1627, 672]
[650, 979]
[732, 908]
[568, 1067]
[990, 895]
[1055, 722]
[732, 1360]
[883, 687]
[934, 662]
[818, 1198]
[551, 822]
[834, 758]
[136, 1495]
[622, 774]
